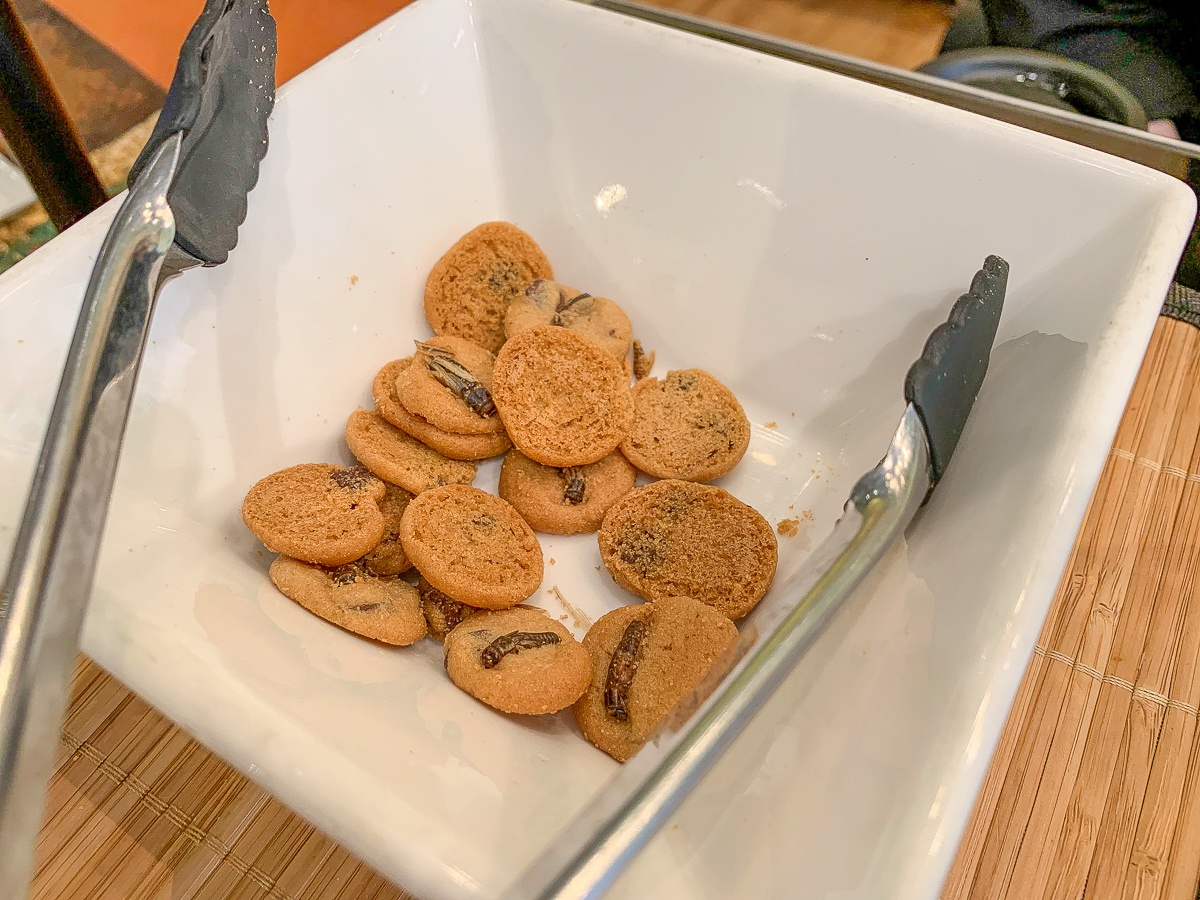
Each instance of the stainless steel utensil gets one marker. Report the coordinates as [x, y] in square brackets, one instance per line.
[941, 388]
[186, 200]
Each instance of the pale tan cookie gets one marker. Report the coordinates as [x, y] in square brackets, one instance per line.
[564, 501]
[472, 546]
[548, 303]
[383, 609]
[452, 446]
[441, 613]
[388, 556]
[682, 539]
[317, 512]
[687, 425]
[399, 458]
[469, 289]
[449, 385]
[646, 660]
[564, 401]
[518, 661]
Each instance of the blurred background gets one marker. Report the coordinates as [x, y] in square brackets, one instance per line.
[110, 61]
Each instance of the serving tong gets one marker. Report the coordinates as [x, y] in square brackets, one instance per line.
[940, 389]
[186, 200]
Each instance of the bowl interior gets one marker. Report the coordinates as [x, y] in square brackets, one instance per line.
[798, 235]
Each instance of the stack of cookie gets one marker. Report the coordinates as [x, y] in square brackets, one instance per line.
[402, 545]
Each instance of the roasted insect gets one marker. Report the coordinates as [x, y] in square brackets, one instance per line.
[457, 377]
[515, 642]
[573, 492]
[622, 669]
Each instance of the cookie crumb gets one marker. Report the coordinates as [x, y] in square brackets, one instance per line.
[772, 424]
[788, 527]
[353, 280]
[582, 619]
[552, 560]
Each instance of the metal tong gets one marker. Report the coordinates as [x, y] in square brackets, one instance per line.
[186, 200]
[941, 387]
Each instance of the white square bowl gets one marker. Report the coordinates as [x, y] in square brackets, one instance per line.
[798, 234]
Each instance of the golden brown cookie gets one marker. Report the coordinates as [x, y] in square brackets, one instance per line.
[564, 401]
[449, 385]
[518, 661]
[441, 613]
[383, 609]
[470, 287]
[452, 446]
[472, 546]
[548, 303]
[564, 501]
[400, 459]
[687, 425]
[682, 539]
[388, 556]
[317, 512]
[646, 660]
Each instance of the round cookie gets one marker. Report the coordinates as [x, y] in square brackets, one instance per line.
[317, 512]
[564, 501]
[452, 446]
[687, 425]
[449, 385]
[472, 546]
[383, 609]
[548, 303]
[400, 459]
[441, 613]
[646, 660]
[518, 660]
[388, 556]
[682, 539]
[470, 287]
[564, 401]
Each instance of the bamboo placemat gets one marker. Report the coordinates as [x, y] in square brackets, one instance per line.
[1091, 793]
[1093, 790]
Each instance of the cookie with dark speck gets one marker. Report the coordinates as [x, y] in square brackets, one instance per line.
[472, 546]
[317, 512]
[518, 660]
[682, 539]
[388, 556]
[450, 445]
[423, 394]
[598, 319]
[565, 501]
[441, 613]
[640, 675]
[469, 289]
[687, 425]
[400, 459]
[564, 401]
[381, 608]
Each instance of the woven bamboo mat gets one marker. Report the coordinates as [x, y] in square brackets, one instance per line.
[1092, 792]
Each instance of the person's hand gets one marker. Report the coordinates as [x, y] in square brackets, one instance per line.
[1164, 128]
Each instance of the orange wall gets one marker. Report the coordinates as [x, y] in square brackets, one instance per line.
[148, 33]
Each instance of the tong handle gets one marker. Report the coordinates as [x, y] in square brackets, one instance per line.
[49, 579]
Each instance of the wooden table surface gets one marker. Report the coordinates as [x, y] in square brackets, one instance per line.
[1092, 793]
